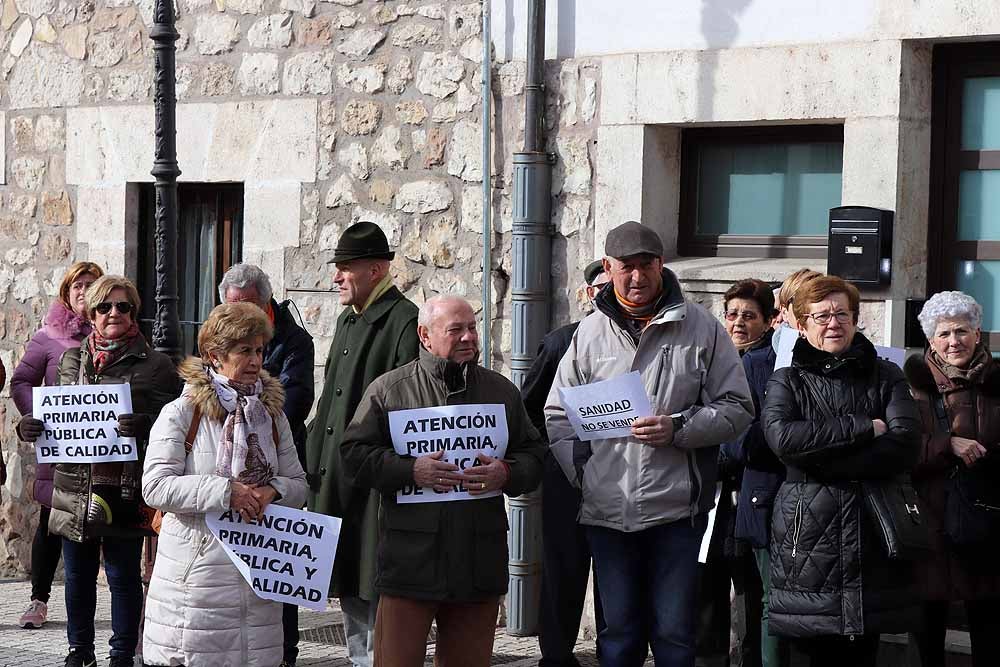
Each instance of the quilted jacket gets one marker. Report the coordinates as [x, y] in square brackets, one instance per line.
[199, 610]
[829, 571]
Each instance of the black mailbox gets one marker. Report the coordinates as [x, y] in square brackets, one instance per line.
[859, 248]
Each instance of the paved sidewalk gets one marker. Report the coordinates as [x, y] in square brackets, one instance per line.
[322, 635]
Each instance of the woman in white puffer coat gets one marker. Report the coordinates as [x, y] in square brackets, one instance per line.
[199, 610]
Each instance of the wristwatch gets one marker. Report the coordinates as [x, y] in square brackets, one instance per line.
[679, 421]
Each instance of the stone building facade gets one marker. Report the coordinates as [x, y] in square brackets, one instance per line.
[326, 113]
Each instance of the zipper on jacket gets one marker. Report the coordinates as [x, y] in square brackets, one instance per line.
[198, 554]
[797, 525]
[664, 353]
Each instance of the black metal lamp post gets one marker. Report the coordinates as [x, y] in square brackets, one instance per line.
[166, 326]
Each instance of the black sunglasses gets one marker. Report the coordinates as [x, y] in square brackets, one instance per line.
[123, 307]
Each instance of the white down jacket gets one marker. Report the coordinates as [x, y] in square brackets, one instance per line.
[199, 610]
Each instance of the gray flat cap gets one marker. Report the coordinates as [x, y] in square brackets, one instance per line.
[632, 238]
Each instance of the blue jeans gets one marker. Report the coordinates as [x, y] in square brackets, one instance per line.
[648, 582]
[122, 565]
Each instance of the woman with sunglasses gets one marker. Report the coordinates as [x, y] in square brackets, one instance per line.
[66, 324]
[837, 416]
[97, 507]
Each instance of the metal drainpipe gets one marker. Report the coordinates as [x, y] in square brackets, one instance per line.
[531, 310]
[487, 338]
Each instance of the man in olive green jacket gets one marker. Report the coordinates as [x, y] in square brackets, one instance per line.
[376, 332]
[442, 558]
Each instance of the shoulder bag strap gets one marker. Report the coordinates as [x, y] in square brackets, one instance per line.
[192, 431]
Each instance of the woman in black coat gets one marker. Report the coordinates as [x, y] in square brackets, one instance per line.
[838, 415]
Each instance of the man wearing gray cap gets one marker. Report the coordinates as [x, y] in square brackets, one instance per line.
[646, 497]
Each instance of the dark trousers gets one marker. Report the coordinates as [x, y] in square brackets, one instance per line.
[984, 632]
[856, 651]
[565, 570]
[122, 560]
[290, 627]
[46, 550]
[649, 589]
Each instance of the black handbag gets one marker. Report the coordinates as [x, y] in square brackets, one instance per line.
[972, 510]
[894, 508]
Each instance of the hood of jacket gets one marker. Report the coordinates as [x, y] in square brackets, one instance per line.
[62, 323]
[199, 390]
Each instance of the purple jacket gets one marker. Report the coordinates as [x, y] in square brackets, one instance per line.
[63, 329]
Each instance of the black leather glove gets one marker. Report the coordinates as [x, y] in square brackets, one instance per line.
[30, 429]
[134, 425]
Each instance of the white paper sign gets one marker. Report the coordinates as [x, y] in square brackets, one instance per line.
[606, 409]
[462, 432]
[706, 539]
[286, 556]
[787, 337]
[81, 423]
[896, 355]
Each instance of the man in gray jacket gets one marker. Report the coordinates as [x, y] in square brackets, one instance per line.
[646, 497]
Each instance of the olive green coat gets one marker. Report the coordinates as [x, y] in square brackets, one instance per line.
[154, 382]
[365, 346]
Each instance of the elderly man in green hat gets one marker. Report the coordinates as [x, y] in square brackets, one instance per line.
[376, 332]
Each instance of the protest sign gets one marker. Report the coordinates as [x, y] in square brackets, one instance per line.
[285, 556]
[896, 355]
[81, 423]
[595, 416]
[462, 432]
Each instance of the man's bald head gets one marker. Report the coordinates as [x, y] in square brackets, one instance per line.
[446, 325]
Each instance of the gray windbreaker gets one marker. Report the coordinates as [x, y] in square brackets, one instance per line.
[689, 366]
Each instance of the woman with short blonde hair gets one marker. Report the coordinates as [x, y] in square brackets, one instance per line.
[65, 325]
[200, 612]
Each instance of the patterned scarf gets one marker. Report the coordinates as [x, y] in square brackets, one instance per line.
[247, 452]
[106, 351]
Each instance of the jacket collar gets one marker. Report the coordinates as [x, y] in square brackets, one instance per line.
[63, 323]
[454, 376]
[860, 354]
[381, 306]
[137, 349]
[670, 307]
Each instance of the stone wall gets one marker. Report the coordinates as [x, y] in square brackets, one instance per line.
[330, 112]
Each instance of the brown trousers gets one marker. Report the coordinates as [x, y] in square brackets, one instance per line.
[465, 632]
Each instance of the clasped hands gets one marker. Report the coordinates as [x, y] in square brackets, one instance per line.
[250, 501]
[430, 471]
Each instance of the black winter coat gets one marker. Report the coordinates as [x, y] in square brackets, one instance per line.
[290, 357]
[829, 571]
[538, 381]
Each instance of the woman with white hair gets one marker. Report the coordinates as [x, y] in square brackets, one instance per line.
[957, 386]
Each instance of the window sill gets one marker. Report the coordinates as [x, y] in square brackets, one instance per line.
[731, 269]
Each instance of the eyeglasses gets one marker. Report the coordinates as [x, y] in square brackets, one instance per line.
[748, 315]
[822, 319]
[123, 307]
